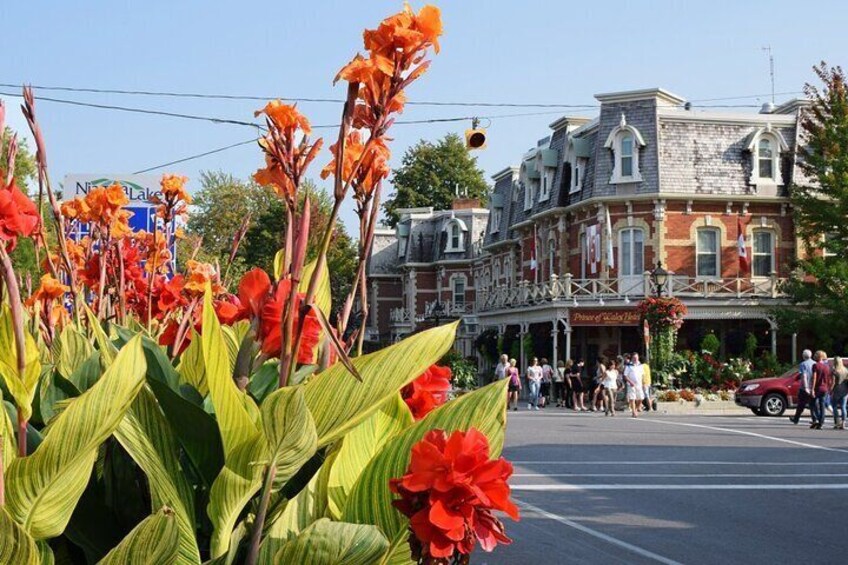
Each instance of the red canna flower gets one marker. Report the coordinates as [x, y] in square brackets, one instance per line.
[18, 215]
[271, 318]
[253, 291]
[449, 492]
[428, 391]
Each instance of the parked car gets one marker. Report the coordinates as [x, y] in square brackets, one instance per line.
[770, 396]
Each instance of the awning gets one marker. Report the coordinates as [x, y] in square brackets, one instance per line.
[497, 200]
[402, 230]
[582, 147]
[550, 157]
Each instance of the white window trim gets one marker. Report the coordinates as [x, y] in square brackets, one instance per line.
[546, 180]
[773, 253]
[583, 241]
[495, 220]
[620, 239]
[551, 255]
[780, 146]
[578, 173]
[698, 275]
[403, 244]
[613, 143]
[455, 223]
[453, 278]
[529, 194]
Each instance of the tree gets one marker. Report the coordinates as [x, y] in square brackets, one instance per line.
[430, 175]
[820, 281]
[265, 237]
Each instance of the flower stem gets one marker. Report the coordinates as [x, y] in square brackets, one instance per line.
[259, 522]
[16, 310]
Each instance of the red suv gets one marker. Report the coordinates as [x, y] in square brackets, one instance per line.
[770, 396]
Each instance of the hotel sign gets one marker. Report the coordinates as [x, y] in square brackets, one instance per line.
[138, 188]
[617, 317]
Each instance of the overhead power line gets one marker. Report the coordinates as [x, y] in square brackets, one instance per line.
[212, 96]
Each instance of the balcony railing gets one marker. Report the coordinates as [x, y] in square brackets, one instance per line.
[573, 290]
[400, 316]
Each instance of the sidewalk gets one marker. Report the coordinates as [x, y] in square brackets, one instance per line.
[707, 407]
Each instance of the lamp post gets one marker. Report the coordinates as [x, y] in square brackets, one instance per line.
[659, 277]
[438, 311]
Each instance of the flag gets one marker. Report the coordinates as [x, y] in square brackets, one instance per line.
[593, 240]
[740, 244]
[533, 262]
[608, 234]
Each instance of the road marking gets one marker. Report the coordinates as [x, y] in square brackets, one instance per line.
[744, 433]
[596, 534]
[682, 476]
[570, 487]
[746, 463]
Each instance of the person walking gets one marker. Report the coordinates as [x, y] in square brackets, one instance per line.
[610, 388]
[575, 380]
[597, 389]
[559, 384]
[646, 386]
[633, 379]
[514, 386]
[502, 367]
[822, 380]
[534, 384]
[839, 393]
[805, 392]
[547, 381]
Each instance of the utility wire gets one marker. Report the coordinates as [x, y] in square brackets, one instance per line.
[197, 156]
[289, 99]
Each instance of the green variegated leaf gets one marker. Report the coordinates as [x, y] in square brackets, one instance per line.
[7, 442]
[104, 344]
[383, 374]
[42, 489]
[155, 541]
[16, 546]
[70, 350]
[399, 552]
[21, 386]
[290, 432]
[360, 445]
[148, 439]
[323, 296]
[370, 501]
[232, 342]
[278, 264]
[245, 448]
[192, 370]
[334, 543]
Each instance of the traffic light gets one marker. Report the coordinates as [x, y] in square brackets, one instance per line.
[475, 138]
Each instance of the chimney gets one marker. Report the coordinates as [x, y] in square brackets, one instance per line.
[464, 203]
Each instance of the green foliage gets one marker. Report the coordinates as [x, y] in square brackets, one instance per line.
[430, 174]
[463, 370]
[751, 345]
[820, 203]
[710, 344]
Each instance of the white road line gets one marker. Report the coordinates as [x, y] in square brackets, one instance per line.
[571, 488]
[744, 433]
[658, 463]
[683, 475]
[596, 534]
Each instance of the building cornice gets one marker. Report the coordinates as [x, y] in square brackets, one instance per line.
[659, 94]
[511, 170]
[679, 115]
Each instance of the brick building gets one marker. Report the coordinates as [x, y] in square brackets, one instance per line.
[593, 207]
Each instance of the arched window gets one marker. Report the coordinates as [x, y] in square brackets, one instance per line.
[765, 158]
[625, 141]
[551, 256]
[631, 252]
[626, 158]
[707, 252]
[455, 231]
[507, 270]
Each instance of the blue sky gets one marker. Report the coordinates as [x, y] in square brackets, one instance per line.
[492, 51]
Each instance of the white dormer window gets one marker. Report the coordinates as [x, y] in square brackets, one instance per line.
[625, 142]
[495, 220]
[529, 194]
[455, 230]
[578, 170]
[765, 146]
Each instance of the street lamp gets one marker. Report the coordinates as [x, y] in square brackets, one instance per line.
[438, 311]
[659, 276]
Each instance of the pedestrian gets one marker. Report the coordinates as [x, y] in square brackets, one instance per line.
[839, 393]
[575, 380]
[610, 388]
[547, 380]
[559, 384]
[534, 384]
[822, 382]
[596, 389]
[646, 386]
[805, 392]
[502, 367]
[514, 386]
[633, 374]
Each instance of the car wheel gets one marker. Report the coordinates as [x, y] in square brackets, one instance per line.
[774, 404]
[758, 411]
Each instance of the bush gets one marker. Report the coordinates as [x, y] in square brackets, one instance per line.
[687, 395]
[710, 344]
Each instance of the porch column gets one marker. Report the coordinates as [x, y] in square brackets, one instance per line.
[567, 342]
[773, 332]
[555, 335]
[522, 362]
[794, 347]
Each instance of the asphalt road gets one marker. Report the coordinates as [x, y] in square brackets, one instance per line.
[674, 489]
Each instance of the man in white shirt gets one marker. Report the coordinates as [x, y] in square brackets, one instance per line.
[502, 367]
[805, 393]
[633, 377]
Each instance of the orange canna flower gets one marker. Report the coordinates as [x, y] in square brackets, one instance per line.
[199, 275]
[173, 187]
[285, 116]
[18, 215]
[50, 288]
